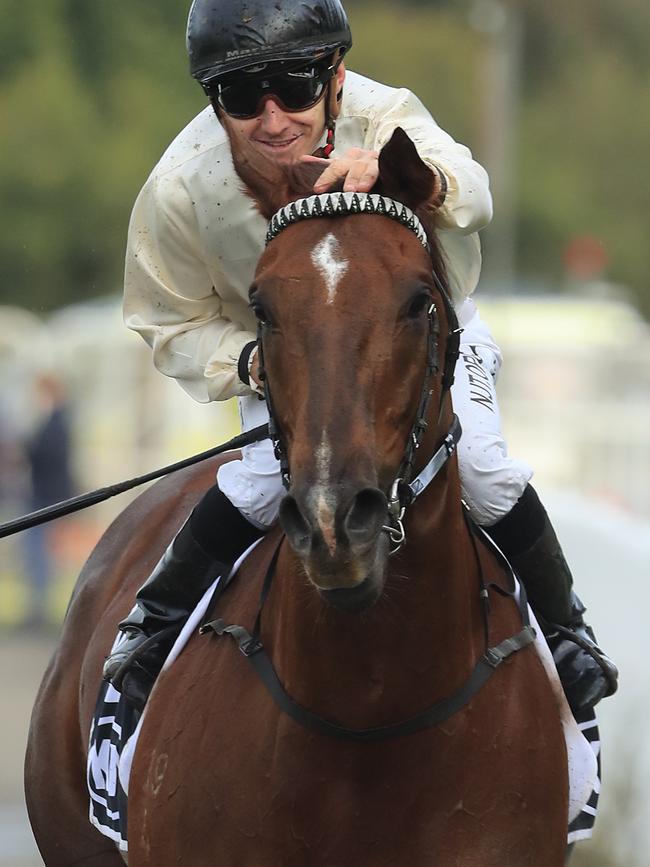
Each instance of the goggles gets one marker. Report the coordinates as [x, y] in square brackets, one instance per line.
[294, 91]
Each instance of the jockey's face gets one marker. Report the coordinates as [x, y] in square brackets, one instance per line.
[281, 135]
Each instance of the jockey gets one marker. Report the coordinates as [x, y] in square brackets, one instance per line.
[275, 77]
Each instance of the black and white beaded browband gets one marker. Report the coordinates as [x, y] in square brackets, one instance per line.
[343, 204]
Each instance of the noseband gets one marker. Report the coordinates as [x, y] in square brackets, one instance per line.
[405, 488]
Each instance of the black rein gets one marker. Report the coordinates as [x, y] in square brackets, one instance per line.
[75, 504]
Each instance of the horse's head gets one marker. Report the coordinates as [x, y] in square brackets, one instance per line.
[346, 327]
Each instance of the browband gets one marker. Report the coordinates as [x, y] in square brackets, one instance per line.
[342, 204]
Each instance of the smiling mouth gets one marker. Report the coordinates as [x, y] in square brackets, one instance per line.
[277, 143]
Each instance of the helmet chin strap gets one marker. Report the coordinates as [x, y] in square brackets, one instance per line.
[332, 110]
[328, 147]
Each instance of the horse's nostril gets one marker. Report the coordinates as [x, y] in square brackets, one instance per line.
[314, 535]
[295, 525]
[366, 514]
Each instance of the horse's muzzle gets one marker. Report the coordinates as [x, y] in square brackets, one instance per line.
[337, 534]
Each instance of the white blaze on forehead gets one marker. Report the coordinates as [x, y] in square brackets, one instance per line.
[326, 256]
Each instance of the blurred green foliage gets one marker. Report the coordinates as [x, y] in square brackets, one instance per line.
[90, 95]
[92, 92]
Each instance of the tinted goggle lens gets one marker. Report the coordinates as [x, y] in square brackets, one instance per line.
[294, 91]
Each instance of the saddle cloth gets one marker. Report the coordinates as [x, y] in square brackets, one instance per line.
[116, 726]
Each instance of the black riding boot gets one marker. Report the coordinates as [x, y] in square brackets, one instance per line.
[526, 537]
[207, 544]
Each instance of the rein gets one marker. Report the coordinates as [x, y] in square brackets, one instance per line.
[75, 504]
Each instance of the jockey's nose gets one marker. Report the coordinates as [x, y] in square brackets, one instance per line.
[272, 117]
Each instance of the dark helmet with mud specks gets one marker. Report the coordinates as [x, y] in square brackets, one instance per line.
[224, 36]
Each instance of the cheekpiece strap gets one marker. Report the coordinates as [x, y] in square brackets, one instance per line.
[437, 462]
[344, 204]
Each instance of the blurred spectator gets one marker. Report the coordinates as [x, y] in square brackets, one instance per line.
[48, 453]
[12, 469]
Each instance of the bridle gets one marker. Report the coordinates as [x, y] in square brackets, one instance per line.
[405, 489]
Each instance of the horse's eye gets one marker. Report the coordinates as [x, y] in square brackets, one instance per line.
[260, 313]
[418, 305]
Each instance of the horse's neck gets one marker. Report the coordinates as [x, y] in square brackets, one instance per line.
[417, 643]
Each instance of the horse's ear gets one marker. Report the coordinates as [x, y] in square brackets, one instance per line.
[402, 173]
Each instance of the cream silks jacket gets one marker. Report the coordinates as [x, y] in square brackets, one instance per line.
[195, 237]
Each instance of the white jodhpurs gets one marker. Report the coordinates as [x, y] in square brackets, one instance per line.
[254, 484]
[491, 481]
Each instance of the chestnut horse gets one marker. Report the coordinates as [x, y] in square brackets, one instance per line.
[354, 327]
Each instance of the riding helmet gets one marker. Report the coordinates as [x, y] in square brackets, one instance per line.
[228, 35]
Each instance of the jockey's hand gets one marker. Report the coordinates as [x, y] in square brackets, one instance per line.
[254, 375]
[359, 168]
